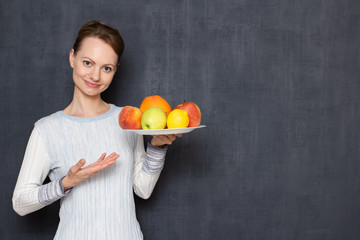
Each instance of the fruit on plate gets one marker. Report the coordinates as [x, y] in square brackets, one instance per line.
[153, 118]
[177, 118]
[193, 112]
[130, 118]
[155, 101]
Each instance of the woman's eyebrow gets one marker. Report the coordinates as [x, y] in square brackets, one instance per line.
[88, 58]
[110, 64]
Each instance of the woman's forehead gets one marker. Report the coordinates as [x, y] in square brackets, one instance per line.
[97, 50]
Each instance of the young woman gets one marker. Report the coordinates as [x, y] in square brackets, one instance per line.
[94, 166]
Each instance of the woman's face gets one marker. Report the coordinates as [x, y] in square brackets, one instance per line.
[94, 66]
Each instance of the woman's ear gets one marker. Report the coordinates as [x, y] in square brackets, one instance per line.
[72, 58]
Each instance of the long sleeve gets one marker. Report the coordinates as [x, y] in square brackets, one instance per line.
[29, 194]
[102, 206]
[147, 168]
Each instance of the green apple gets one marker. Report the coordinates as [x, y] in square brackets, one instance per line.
[153, 118]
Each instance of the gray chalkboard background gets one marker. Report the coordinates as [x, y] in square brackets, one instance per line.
[278, 82]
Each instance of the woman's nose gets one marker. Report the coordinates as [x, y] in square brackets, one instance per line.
[95, 74]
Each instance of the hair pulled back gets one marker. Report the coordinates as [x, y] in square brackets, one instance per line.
[103, 31]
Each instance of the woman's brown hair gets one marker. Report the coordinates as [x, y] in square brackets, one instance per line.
[103, 31]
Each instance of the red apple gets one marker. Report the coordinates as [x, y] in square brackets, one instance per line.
[130, 118]
[193, 112]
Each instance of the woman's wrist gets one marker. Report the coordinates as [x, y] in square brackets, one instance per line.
[65, 183]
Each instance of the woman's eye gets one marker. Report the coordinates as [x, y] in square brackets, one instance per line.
[107, 69]
[87, 63]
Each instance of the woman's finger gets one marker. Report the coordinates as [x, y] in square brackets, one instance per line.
[102, 157]
[78, 165]
[163, 139]
[159, 140]
[96, 168]
[110, 158]
[172, 137]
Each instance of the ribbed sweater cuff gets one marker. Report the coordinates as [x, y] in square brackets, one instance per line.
[154, 160]
[51, 192]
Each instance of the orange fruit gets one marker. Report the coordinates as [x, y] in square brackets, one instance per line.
[155, 101]
[178, 119]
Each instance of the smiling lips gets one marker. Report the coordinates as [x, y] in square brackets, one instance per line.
[92, 85]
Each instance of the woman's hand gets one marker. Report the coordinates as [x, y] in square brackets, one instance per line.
[161, 140]
[77, 174]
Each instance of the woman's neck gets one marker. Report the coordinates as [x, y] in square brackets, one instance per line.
[86, 106]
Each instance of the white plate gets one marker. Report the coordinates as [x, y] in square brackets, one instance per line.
[164, 131]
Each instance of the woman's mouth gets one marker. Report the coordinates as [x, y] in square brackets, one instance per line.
[92, 85]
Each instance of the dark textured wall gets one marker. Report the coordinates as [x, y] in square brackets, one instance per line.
[278, 82]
